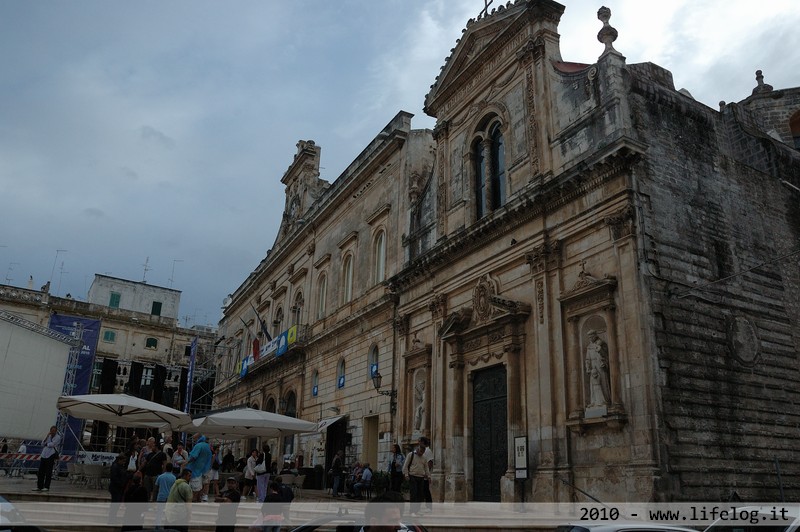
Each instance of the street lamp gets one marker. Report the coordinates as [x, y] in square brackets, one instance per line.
[376, 382]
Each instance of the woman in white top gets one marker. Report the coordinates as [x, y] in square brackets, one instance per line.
[250, 472]
[179, 459]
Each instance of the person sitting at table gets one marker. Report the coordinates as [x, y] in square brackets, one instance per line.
[363, 483]
[355, 476]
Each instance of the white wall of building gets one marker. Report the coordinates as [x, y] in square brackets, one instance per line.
[135, 296]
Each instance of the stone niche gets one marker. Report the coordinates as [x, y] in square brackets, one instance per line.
[416, 391]
[592, 354]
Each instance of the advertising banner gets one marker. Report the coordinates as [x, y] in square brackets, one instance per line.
[88, 331]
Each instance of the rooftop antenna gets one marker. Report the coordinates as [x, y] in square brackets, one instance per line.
[60, 275]
[172, 275]
[147, 268]
[55, 261]
[8, 272]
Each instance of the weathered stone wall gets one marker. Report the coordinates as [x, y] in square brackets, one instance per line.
[718, 225]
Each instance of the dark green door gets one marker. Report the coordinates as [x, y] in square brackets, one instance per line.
[489, 433]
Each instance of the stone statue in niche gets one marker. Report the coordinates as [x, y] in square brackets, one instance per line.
[419, 402]
[596, 365]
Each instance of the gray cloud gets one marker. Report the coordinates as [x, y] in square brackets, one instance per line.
[151, 134]
[94, 212]
[128, 173]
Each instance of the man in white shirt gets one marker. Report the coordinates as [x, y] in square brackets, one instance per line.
[48, 458]
[416, 471]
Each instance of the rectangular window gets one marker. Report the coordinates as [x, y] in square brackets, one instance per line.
[147, 377]
[109, 336]
[113, 301]
[97, 373]
[151, 343]
[156, 308]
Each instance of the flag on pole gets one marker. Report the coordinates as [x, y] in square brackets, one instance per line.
[263, 325]
[190, 375]
[246, 326]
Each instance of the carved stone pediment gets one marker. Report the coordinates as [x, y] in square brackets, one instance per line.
[418, 356]
[483, 41]
[510, 306]
[589, 288]
[456, 322]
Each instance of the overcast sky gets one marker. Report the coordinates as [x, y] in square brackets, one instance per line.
[157, 131]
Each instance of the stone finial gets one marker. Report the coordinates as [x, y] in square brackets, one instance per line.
[607, 34]
[761, 87]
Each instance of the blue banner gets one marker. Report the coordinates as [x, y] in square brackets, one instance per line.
[89, 332]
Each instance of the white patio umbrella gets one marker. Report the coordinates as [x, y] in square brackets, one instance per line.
[121, 410]
[247, 422]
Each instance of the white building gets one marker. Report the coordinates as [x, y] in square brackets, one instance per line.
[134, 296]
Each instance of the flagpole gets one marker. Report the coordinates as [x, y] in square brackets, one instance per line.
[189, 379]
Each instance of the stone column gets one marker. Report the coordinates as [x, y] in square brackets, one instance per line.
[574, 370]
[613, 360]
[455, 481]
[510, 489]
[437, 410]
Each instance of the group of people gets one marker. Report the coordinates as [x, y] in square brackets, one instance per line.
[359, 479]
[154, 471]
[415, 467]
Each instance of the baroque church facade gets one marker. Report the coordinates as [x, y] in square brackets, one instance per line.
[581, 281]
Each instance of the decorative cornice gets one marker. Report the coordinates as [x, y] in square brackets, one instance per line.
[299, 274]
[380, 212]
[322, 260]
[353, 235]
[278, 293]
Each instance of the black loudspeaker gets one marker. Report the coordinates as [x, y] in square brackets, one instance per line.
[169, 398]
[159, 378]
[182, 389]
[108, 378]
[135, 379]
[146, 392]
